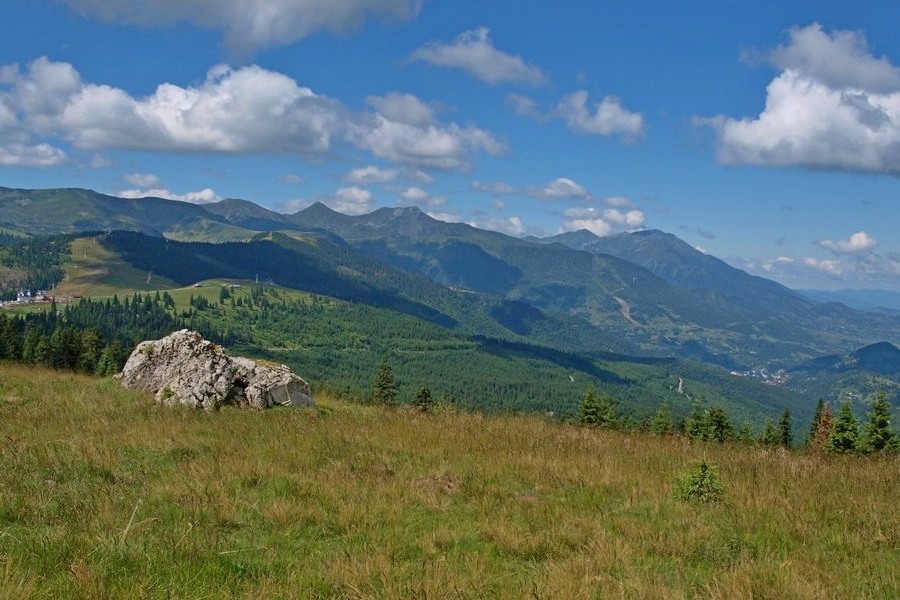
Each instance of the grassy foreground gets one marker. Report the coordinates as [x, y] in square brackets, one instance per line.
[105, 494]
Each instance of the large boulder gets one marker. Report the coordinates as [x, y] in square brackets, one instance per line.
[183, 368]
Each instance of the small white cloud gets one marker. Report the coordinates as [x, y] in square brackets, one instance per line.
[474, 52]
[601, 222]
[291, 179]
[561, 188]
[497, 188]
[204, 196]
[414, 196]
[607, 117]
[445, 216]
[414, 140]
[510, 225]
[618, 202]
[143, 180]
[859, 242]
[371, 174]
[31, 155]
[498, 204]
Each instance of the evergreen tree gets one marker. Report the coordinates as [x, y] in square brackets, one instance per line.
[844, 435]
[423, 399]
[384, 387]
[661, 423]
[769, 435]
[745, 435]
[719, 427]
[697, 425]
[878, 434]
[786, 429]
[814, 424]
[596, 409]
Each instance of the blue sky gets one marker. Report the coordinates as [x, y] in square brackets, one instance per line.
[765, 133]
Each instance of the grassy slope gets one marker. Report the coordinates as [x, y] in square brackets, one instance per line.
[94, 270]
[105, 494]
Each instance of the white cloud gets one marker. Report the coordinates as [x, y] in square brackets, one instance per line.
[415, 139]
[607, 117]
[351, 200]
[98, 161]
[834, 106]
[561, 188]
[204, 196]
[497, 188]
[445, 216]
[474, 52]
[498, 204]
[143, 180]
[371, 174]
[251, 24]
[618, 202]
[414, 196]
[858, 243]
[601, 222]
[842, 59]
[510, 225]
[232, 111]
[31, 155]
[291, 179]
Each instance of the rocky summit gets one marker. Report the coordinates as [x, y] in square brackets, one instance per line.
[183, 368]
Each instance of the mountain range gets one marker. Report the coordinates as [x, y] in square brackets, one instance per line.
[644, 293]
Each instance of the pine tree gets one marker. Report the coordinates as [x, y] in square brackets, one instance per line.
[814, 424]
[661, 423]
[720, 428]
[423, 399]
[844, 436]
[384, 387]
[596, 409]
[769, 435]
[745, 435]
[697, 425]
[878, 434]
[786, 429]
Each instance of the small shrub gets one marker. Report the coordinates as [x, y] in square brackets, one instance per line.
[700, 483]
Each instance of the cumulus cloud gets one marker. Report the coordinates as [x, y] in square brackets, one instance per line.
[233, 111]
[607, 117]
[31, 155]
[474, 52]
[415, 196]
[497, 188]
[404, 129]
[859, 242]
[144, 180]
[204, 196]
[561, 188]
[834, 106]
[604, 118]
[601, 222]
[250, 24]
[510, 225]
[371, 174]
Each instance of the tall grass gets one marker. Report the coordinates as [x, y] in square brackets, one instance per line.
[105, 494]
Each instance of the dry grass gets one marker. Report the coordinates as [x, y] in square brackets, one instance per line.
[105, 494]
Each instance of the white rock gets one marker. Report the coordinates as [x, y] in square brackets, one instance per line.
[183, 368]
